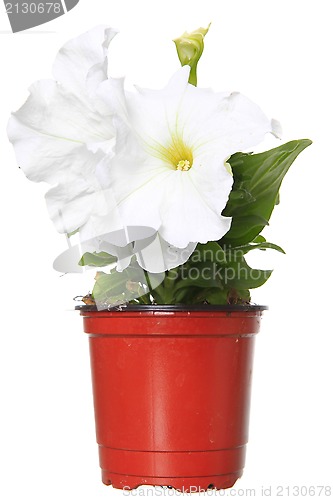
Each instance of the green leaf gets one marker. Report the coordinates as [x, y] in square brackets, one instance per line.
[119, 287]
[259, 239]
[200, 270]
[207, 252]
[109, 285]
[257, 180]
[259, 246]
[189, 49]
[201, 275]
[216, 296]
[186, 296]
[238, 275]
[97, 259]
[243, 227]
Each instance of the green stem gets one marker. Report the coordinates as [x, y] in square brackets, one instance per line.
[148, 282]
[153, 292]
[165, 289]
[193, 80]
[162, 295]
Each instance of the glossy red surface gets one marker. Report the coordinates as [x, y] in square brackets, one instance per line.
[171, 395]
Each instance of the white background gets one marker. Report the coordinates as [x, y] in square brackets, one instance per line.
[280, 55]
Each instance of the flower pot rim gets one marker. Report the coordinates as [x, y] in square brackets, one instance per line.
[175, 307]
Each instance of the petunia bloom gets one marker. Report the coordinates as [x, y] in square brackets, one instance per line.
[62, 133]
[169, 170]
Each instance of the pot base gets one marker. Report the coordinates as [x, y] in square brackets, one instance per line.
[190, 471]
[183, 484]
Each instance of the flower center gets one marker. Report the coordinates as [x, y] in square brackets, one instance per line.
[179, 154]
[183, 165]
[175, 153]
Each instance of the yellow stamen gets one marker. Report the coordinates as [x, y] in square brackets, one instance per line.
[183, 165]
[177, 154]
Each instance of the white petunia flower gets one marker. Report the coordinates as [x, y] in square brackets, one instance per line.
[169, 171]
[62, 133]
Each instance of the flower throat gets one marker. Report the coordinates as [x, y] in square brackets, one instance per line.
[177, 154]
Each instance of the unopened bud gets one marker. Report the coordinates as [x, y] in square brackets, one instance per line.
[189, 49]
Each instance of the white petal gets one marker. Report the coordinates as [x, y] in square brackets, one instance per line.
[190, 209]
[156, 255]
[50, 127]
[81, 63]
[219, 123]
[153, 113]
[112, 93]
[213, 180]
[138, 188]
[104, 223]
[71, 203]
[242, 124]
[276, 128]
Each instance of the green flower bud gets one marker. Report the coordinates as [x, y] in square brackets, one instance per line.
[190, 48]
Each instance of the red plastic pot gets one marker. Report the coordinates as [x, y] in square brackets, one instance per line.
[172, 393]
